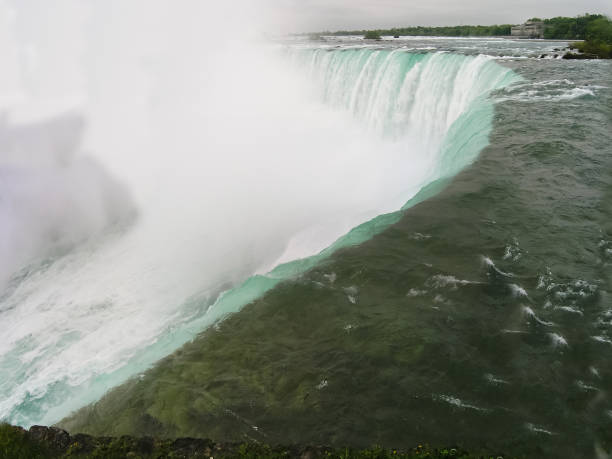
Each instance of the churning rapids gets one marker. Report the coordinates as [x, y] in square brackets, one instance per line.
[146, 193]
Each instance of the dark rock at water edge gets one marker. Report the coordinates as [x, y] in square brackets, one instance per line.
[52, 442]
[579, 56]
[56, 438]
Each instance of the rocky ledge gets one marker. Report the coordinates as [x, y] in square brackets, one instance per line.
[52, 442]
[580, 56]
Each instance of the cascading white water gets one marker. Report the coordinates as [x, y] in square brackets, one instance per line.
[203, 162]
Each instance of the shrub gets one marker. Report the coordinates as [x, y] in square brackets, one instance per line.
[15, 444]
[372, 35]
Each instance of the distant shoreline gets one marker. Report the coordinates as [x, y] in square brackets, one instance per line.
[557, 28]
[504, 37]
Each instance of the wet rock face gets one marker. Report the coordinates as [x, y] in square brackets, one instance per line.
[189, 447]
[42, 442]
[579, 56]
[54, 437]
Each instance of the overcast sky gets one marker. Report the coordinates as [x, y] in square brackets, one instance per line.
[316, 15]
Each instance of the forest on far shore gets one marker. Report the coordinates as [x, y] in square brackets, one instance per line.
[557, 28]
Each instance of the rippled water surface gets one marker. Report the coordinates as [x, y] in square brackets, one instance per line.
[482, 317]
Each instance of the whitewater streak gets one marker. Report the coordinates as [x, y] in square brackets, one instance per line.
[252, 170]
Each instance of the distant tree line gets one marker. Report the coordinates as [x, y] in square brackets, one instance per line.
[596, 33]
[454, 31]
[578, 28]
[372, 35]
[594, 29]
[587, 27]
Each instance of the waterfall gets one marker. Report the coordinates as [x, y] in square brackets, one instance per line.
[197, 175]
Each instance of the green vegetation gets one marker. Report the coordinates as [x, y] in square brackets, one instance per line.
[597, 36]
[600, 30]
[17, 443]
[591, 50]
[594, 29]
[372, 35]
[558, 28]
[565, 28]
[454, 31]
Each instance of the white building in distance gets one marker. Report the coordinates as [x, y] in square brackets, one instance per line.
[528, 30]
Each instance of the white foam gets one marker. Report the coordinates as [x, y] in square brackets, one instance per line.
[530, 312]
[420, 236]
[351, 293]
[564, 81]
[331, 278]
[416, 292]
[570, 309]
[545, 280]
[512, 251]
[602, 339]
[455, 401]
[538, 429]
[558, 340]
[440, 281]
[517, 290]
[487, 261]
[586, 387]
[441, 300]
[494, 380]
[535, 95]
